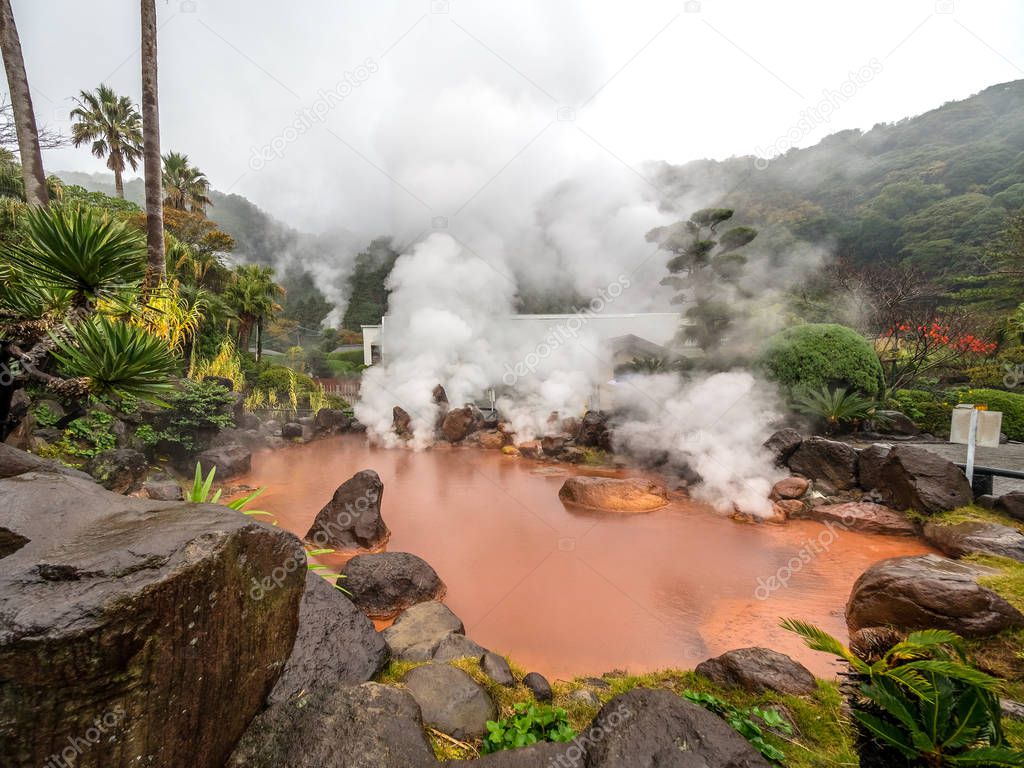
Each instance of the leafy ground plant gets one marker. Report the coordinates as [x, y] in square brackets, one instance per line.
[529, 724]
[836, 408]
[749, 723]
[923, 701]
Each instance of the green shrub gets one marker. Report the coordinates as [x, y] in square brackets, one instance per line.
[1010, 403]
[277, 378]
[197, 412]
[989, 374]
[88, 435]
[750, 723]
[530, 723]
[354, 356]
[930, 412]
[810, 357]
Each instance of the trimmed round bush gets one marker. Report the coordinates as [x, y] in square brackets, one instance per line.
[822, 355]
[1010, 403]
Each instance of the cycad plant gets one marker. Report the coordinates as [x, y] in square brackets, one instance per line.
[836, 408]
[921, 701]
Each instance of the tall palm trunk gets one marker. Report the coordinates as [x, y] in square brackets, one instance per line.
[259, 338]
[151, 148]
[118, 184]
[21, 103]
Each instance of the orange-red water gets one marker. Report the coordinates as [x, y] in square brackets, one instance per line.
[568, 592]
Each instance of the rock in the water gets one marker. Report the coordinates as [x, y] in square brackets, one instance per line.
[614, 494]
[363, 726]
[114, 608]
[230, 460]
[786, 509]
[17, 462]
[331, 420]
[783, 444]
[335, 645]
[790, 488]
[539, 686]
[401, 421]
[1012, 503]
[648, 727]
[758, 670]
[351, 519]
[552, 445]
[915, 478]
[163, 490]
[291, 431]
[976, 538]
[459, 423]
[418, 631]
[869, 465]
[120, 470]
[457, 646]
[861, 516]
[593, 431]
[451, 701]
[826, 462]
[531, 449]
[928, 591]
[386, 583]
[496, 668]
[492, 439]
[895, 423]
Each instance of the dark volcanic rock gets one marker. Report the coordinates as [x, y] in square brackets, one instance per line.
[335, 645]
[538, 685]
[658, 728]
[16, 462]
[417, 632]
[386, 583]
[915, 478]
[1012, 503]
[496, 668]
[896, 423]
[976, 538]
[351, 519]
[163, 490]
[331, 420]
[928, 591]
[552, 445]
[115, 607]
[869, 465]
[230, 460]
[826, 462]
[758, 670]
[291, 431]
[120, 470]
[363, 726]
[457, 646]
[594, 431]
[783, 444]
[401, 421]
[860, 516]
[450, 700]
[459, 423]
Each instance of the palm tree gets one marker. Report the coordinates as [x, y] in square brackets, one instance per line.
[185, 186]
[151, 149]
[251, 296]
[113, 125]
[21, 103]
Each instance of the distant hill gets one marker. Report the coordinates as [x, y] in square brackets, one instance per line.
[928, 191]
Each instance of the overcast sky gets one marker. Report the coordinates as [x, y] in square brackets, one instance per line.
[469, 106]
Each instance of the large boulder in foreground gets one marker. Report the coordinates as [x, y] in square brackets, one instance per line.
[979, 538]
[383, 585]
[364, 726]
[451, 701]
[915, 478]
[335, 645]
[16, 462]
[418, 632]
[828, 463]
[351, 519]
[758, 670]
[648, 727]
[614, 494]
[230, 460]
[925, 592]
[111, 610]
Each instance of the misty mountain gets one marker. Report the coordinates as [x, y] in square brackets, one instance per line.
[929, 191]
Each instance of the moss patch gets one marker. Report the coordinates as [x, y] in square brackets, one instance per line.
[969, 514]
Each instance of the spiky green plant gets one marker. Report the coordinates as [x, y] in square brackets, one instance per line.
[116, 358]
[923, 699]
[199, 493]
[81, 252]
[836, 408]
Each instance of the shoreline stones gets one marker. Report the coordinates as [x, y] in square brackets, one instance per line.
[828, 462]
[418, 631]
[613, 494]
[539, 686]
[451, 701]
[352, 519]
[976, 538]
[862, 516]
[914, 478]
[758, 670]
[384, 584]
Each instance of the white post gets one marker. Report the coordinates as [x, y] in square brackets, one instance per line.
[972, 439]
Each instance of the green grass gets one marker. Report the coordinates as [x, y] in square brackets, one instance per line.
[969, 514]
[822, 736]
